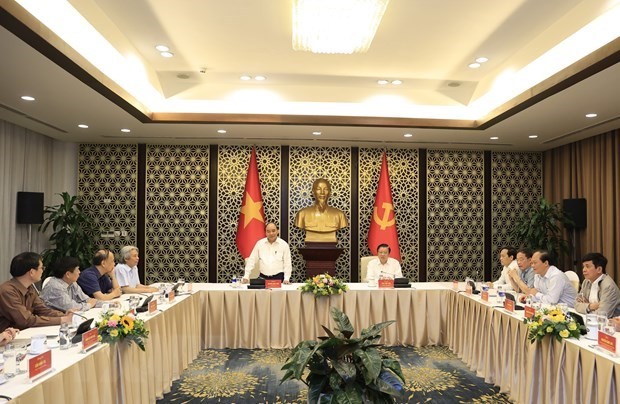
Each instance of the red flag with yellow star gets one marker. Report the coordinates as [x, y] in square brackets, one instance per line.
[383, 221]
[251, 227]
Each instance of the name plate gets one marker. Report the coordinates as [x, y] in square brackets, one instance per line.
[386, 283]
[40, 364]
[607, 342]
[509, 305]
[468, 289]
[152, 306]
[484, 295]
[455, 285]
[529, 312]
[273, 284]
[90, 338]
[171, 296]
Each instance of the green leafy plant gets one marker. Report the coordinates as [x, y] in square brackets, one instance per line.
[542, 229]
[72, 232]
[122, 326]
[342, 369]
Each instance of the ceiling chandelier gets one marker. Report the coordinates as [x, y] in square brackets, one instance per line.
[336, 26]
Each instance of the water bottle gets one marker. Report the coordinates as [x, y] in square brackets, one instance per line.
[501, 295]
[63, 336]
[233, 282]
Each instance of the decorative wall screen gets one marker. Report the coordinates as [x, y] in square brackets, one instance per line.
[177, 214]
[232, 172]
[107, 187]
[306, 165]
[404, 178]
[516, 183]
[455, 215]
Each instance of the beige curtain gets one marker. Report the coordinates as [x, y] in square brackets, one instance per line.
[590, 169]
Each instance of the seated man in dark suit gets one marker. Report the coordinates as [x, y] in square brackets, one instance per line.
[99, 281]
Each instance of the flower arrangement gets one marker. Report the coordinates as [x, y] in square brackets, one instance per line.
[116, 326]
[553, 321]
[324, 285]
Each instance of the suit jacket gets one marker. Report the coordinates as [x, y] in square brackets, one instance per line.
[608, 297]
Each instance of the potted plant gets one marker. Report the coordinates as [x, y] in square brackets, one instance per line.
[72, 232]
[345, 369]
[543, 229]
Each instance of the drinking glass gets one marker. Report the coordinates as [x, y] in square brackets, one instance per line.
[22, 362]
[602, 321]
[71, 331]
[181, 283]
[10, 364]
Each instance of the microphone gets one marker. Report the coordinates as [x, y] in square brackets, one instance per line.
[79, 315]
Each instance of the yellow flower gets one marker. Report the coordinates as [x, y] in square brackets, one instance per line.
[549, 330]
[115, 317]
[572, 326]
[321, 285]
[556, 317]
[564, 333]
[114, 332]
[127, 322]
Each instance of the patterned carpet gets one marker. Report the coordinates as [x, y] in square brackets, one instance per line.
[433, 374]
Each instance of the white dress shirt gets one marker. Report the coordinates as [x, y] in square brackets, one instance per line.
[504, 279]
[272, 258]
[391, 269]
[596, 285]
[126, 276]
[554, 288]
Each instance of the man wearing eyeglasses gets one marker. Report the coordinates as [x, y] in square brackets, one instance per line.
[20, 304]
[99, 281]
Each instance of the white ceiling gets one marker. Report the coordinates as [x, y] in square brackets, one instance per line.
[426, 43]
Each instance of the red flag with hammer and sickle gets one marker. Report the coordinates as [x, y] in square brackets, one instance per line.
[383, 222]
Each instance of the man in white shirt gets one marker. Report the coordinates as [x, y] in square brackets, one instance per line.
[127, 272]
[384, 266]
[599, 293]
[507, 257]
[551, 285]
[273, 256]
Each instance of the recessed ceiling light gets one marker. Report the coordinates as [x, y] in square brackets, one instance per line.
[474, 65]
[533, 136]
[382, 82]
[83, 126]
[167, 54]
[316, 133]
[397, 82]
[592, 115]
[407, 135]
[482, 60]
[27, 98]
[245, 77]
[494, 138]
[162, 48]
[259, 78]
[454, 84]
[125, 130]
[183, 76]
[221, 131]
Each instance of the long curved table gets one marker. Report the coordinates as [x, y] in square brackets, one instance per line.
[491, 341]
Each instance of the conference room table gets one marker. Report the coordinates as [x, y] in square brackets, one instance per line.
[491, 341]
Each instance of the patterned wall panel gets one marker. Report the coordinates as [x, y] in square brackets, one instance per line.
[516, 186]
[455, 215]
[177, 214]
[232, 171]
[107, 183]
[404, 179]
[306, 165]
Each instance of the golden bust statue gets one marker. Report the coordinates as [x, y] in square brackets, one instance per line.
[320, 221]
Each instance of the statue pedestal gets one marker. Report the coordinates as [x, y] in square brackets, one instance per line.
[320, 258]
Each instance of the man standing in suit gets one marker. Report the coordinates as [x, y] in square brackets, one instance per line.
[599, 293]
[273, 256]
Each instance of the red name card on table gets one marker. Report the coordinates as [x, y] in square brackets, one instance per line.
[40, 364]
[529, 312]
[171, 296]
[273, 284]
[468, 289]
[90, 338]
[386, 283]
[455, 285]
[484, 295]
[607, 342]
[509, 305]
[152, 306]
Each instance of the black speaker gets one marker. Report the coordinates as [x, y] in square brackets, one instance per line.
[30, 207]
[576, 209]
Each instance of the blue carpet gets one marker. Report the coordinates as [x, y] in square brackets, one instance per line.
[432, 374]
